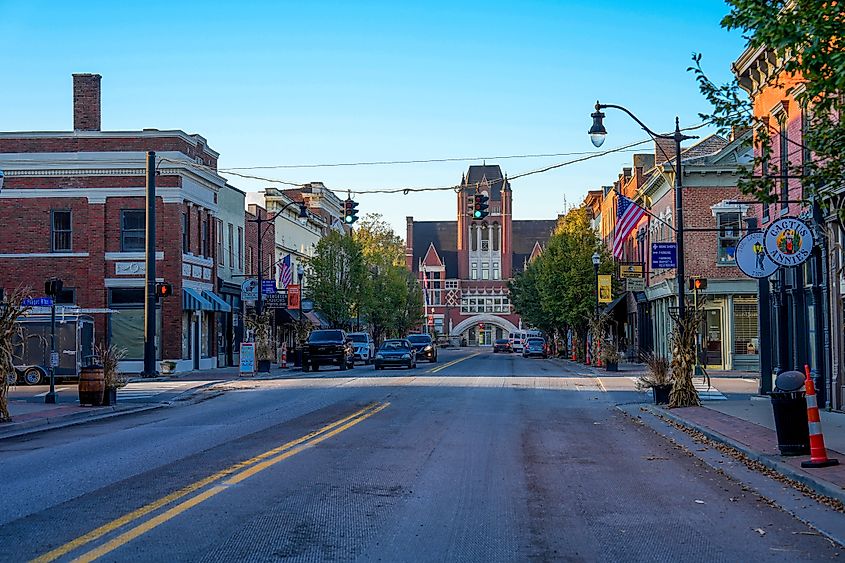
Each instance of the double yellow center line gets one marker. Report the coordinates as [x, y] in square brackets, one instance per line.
[217, 483]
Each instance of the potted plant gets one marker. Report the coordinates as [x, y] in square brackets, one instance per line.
[109, 357]
[260, 328]
[609, 356]
[657, 378]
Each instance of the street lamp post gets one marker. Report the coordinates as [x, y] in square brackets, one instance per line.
[53, 287]
[598, 134]
[300, 273]
[596, 262]
[303, 218]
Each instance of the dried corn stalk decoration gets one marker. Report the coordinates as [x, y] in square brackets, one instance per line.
[684, 339]
[10, 310]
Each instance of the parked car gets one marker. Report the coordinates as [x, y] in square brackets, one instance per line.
[424, 346]
[327, 348]
[398, 352]
[502, 345]
[535, 347]
[363, 346]
[517, 340]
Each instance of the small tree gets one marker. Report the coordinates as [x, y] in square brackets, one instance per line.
[336, 277]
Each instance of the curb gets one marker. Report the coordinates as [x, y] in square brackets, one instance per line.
[820, 486]
[37, 426]
[189, 397]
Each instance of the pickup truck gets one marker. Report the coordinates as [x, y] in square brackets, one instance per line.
[327, 348]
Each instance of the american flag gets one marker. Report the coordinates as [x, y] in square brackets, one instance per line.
[285, 272]
[425, 286]
[628, 214]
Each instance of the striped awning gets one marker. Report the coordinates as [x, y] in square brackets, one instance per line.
[192, 300]
[217, 302]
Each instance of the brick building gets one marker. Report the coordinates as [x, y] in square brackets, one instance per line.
[73, 206]
[464, 265]
[807, 305]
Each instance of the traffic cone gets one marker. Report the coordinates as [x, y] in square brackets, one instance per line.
[284, 363]
[818, 452]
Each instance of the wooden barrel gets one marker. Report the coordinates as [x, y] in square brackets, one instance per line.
[92, 385]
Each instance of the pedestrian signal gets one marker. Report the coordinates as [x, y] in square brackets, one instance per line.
[698, 284]
[350, 213]
[163, 290]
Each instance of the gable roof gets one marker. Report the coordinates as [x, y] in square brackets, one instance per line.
[443, 235]
[432, 259]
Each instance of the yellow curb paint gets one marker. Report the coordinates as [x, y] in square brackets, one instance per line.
[145, 527]
[193, 487]
[453, 362]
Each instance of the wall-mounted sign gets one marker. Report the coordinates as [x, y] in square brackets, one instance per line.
[605, 288]
[276, 300]
[249, 290]
[635, 284]
[788, 241]
[751, 257]
[630, 271]
[664, 255]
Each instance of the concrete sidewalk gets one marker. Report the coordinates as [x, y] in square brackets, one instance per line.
[748, 426]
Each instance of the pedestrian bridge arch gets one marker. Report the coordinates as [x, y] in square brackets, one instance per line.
[485, 318]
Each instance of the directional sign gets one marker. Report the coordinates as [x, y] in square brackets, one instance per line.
[664, 255]
[249, 290]
[268, 287]
[38, 302]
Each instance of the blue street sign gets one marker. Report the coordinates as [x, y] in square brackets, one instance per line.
[38, 302]
[268, 287]
[664, 255]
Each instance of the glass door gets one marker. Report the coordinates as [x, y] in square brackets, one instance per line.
[711, 338]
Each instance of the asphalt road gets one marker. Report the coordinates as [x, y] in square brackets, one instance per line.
[479, 457]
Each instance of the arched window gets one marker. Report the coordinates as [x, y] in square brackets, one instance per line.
[496, 237]
[473, 235]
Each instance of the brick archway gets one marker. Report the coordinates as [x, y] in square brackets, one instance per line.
[505, 324]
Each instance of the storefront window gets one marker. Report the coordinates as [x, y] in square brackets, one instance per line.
[126, 325]
[746, 339]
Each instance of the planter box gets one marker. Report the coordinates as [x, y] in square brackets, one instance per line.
[612, 366]
[661, 394]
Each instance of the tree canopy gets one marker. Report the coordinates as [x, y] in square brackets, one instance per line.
[807, 36]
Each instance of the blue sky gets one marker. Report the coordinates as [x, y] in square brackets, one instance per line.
[282, 83]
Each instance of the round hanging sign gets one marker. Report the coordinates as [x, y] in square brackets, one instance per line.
[788, 241]
[751, 257]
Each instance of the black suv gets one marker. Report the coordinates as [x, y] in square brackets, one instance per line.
[424, 346]
[327, 347]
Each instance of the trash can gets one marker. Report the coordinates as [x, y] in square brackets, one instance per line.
[789, 406]
[790, 410]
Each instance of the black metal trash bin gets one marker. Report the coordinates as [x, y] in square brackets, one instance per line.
[790, 410]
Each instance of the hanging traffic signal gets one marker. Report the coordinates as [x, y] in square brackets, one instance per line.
[163, 290]
[480, 205]
[698, 284]
[350, 213]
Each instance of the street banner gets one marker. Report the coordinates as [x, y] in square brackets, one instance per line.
[605, 288]
[294, 296]
[249, 290]
[664, 255]
[630, 271]
[635, 284]
[247, 366]
[751, 257]
[788, 241]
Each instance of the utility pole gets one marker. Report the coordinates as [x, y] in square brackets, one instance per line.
[150, 276]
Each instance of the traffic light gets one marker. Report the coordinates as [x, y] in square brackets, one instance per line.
[350, 213]
[53, 287]
[698, 284]
[479, 206]
[163, 290]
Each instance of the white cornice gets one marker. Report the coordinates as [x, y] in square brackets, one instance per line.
[99, 195]
[131, 256]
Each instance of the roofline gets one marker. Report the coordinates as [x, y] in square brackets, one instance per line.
[151, 133]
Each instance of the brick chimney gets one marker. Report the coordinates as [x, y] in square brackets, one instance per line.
[86, 102]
